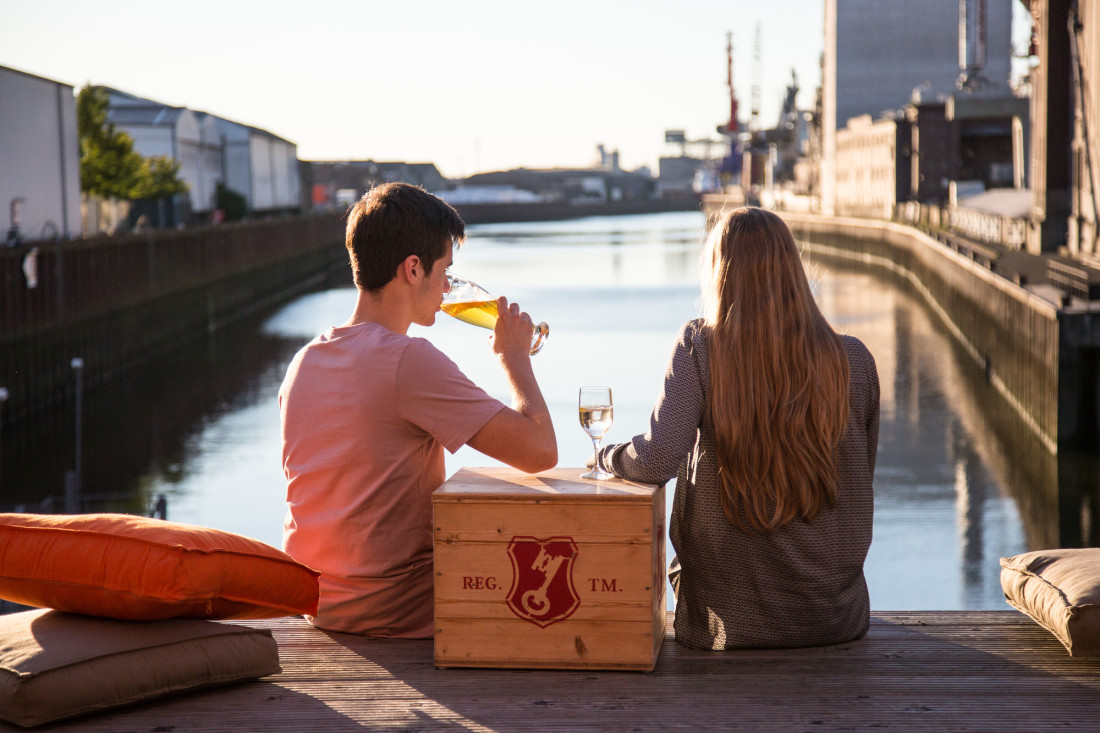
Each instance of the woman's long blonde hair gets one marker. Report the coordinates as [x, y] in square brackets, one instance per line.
[778, 375]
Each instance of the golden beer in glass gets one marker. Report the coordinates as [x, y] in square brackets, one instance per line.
[469, 302]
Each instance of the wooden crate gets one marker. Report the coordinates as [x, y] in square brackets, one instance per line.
[548, 570]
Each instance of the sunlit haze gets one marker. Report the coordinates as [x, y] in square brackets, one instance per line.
[471, 86]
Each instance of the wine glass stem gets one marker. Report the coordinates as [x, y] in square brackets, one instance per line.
[596, 451]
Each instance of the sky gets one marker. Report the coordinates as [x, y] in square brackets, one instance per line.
[470, 85]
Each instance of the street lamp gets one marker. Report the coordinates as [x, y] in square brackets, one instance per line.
[13, 237]
[3, 399]
[73, 478]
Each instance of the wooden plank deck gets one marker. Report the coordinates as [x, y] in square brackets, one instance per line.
[980, 671]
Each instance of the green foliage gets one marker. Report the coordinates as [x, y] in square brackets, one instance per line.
[159, 178]
[232, 203]
[109, 165]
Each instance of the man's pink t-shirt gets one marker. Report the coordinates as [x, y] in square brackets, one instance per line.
[366, 413]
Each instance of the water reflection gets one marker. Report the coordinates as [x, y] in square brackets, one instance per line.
[942, 519]
[153, 430]
[959, 481]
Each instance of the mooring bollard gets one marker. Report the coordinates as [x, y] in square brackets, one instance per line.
[72, 493]
[73, 479]
[159, 509]
[3, 399]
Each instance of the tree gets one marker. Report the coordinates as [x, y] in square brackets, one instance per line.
[159, 178]
[109, 165]
[234, 204]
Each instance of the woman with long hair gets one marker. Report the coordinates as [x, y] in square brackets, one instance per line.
[768, 419]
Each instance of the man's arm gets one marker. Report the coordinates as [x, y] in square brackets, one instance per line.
[521, 436]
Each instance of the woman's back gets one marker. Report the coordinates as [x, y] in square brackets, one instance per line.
[801, 585]
[769, 420]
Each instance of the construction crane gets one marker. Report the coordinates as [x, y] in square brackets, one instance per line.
[727, 164]
[703, 147]
[730, 165]
[731, 126]
[754, 121]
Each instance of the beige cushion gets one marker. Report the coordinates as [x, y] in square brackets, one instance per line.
[1059, 590]
[55, 665]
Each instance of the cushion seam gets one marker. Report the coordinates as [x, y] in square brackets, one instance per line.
[236, 631]
[113, 537]
[1061, 594]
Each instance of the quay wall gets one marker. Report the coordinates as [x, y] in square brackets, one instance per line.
[116, 301]
[1039, 360]
[1013, 335]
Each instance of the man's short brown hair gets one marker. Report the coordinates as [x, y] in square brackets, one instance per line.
[393, 221]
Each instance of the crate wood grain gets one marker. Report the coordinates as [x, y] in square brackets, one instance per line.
[914, 671]
[548, 571]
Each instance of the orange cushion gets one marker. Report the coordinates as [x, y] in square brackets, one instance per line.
[129, 567]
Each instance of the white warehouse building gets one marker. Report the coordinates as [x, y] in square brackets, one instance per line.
[260, 166]
[39, 158]
[190, 138]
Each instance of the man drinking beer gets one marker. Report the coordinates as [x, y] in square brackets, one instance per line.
[367, 410]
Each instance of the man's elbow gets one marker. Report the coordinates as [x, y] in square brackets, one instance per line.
[539, 459]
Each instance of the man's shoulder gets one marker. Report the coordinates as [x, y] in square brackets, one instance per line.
[422, 367]
[358, 338]
[433, 393]
[365, 346]
[421, 349]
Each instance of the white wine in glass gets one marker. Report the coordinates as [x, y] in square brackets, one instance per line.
[471, 303]
[596, 413]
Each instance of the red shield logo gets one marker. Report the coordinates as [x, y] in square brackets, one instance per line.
[542, 579]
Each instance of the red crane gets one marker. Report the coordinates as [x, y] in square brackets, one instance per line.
[731, 127]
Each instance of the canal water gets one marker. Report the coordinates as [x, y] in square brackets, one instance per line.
[201, 426]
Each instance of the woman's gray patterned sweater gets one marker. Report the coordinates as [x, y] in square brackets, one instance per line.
[802, 585]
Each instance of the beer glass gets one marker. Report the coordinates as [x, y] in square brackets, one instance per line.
[596, 411]
[471, 303]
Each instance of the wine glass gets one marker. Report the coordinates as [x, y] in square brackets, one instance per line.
[596, 411]
[467, 301]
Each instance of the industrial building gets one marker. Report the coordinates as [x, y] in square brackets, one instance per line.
[39, 159]
[676, 175]
[872, 164]
[877, 54]
[336, 184]
[261, 166]
[190, 138]
[1065, 112]
[258, 165]
[573, 185]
